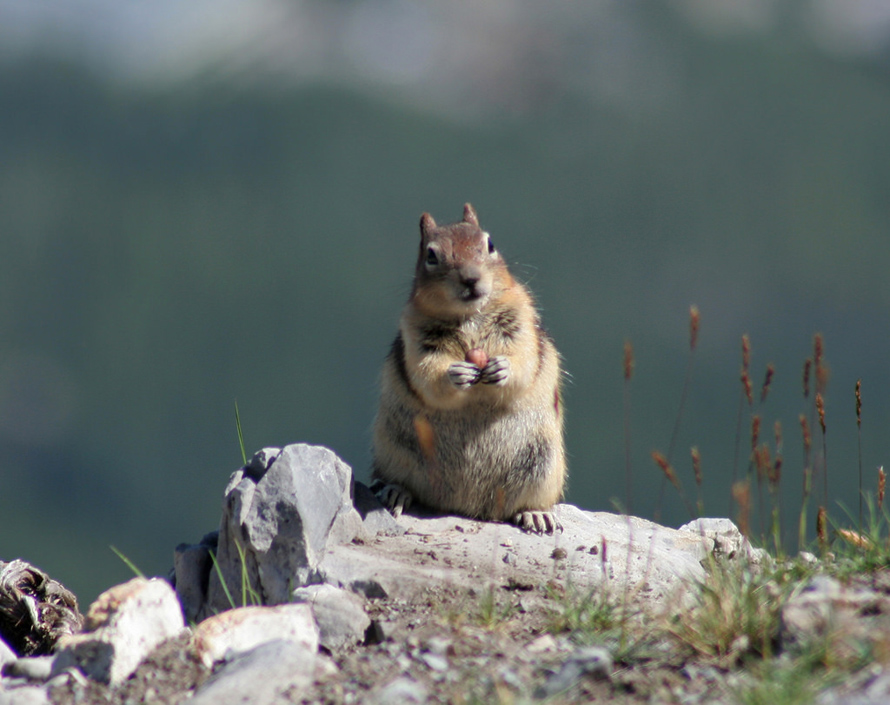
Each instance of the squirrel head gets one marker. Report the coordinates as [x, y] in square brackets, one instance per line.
[458, 268]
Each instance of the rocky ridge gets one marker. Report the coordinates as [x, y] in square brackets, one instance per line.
[310, 591]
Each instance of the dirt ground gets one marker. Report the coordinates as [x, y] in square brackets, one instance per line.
[449, 646]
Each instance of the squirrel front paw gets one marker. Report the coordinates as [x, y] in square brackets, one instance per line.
[464, 375]
[537, 522]
[395, 498]
[496, 371]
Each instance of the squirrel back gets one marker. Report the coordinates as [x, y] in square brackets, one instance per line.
[470, 416]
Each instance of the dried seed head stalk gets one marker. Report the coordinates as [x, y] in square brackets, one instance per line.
[694, 320]
[755, 432]
[777, 430]
[666, 468]
[805, 427]
[854, 538]
[741, 493]
[859, 403]
[763, 461]
[807, 366]
[770, 371]
[746, 367]
[822, 528]
[818, 349]
[820, 407]
[822, 371]
[775, 475]
[628, 360]
[882, 485]
[696, 465]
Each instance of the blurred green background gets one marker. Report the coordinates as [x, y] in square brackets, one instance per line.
[209, 202]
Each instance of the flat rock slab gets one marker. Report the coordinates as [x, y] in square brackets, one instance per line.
[594, 549]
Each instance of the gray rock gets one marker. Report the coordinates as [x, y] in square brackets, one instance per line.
[874, 691]
[339, 614]
[262, 675]
[123, 626]
[592, 661]
[241, 630]
[278, 519]
[401, 690]
[375, 517]
[827, 608]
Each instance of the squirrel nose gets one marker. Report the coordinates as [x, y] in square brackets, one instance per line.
[470, 276]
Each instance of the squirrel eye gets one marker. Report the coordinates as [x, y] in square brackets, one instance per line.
[432, 259]
[490, 246]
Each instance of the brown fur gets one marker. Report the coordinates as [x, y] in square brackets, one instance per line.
[486, 443]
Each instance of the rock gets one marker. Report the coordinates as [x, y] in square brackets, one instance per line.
[263, 674]
[280, 514]
[26, 695]
[826, 609]
[241, 630]
[401, 690]
[651, 560]
[7, 655]
[35, 668]
[874, 691]
[192, 565]
[593, 661]
[35, 610]
[376, 520]
[122, 627]
[340, 615]
[729, 542]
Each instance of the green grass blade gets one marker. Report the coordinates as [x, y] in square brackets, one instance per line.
[127, 562]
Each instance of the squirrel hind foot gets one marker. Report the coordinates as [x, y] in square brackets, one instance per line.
[395, 498]
[537, 522]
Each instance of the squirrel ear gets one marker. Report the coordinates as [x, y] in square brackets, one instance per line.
[427, 224]
[470, 215]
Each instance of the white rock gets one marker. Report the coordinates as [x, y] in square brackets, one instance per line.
[7, 655]
[122, 627]
[238, 631]
[651, 561]
[728, 541]
[26, 695]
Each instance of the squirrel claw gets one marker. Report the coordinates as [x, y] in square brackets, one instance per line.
[496, 371]
[537, 522]
[464, 375]
[395, 498]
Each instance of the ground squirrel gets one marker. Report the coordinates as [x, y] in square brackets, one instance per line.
[470, 417]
